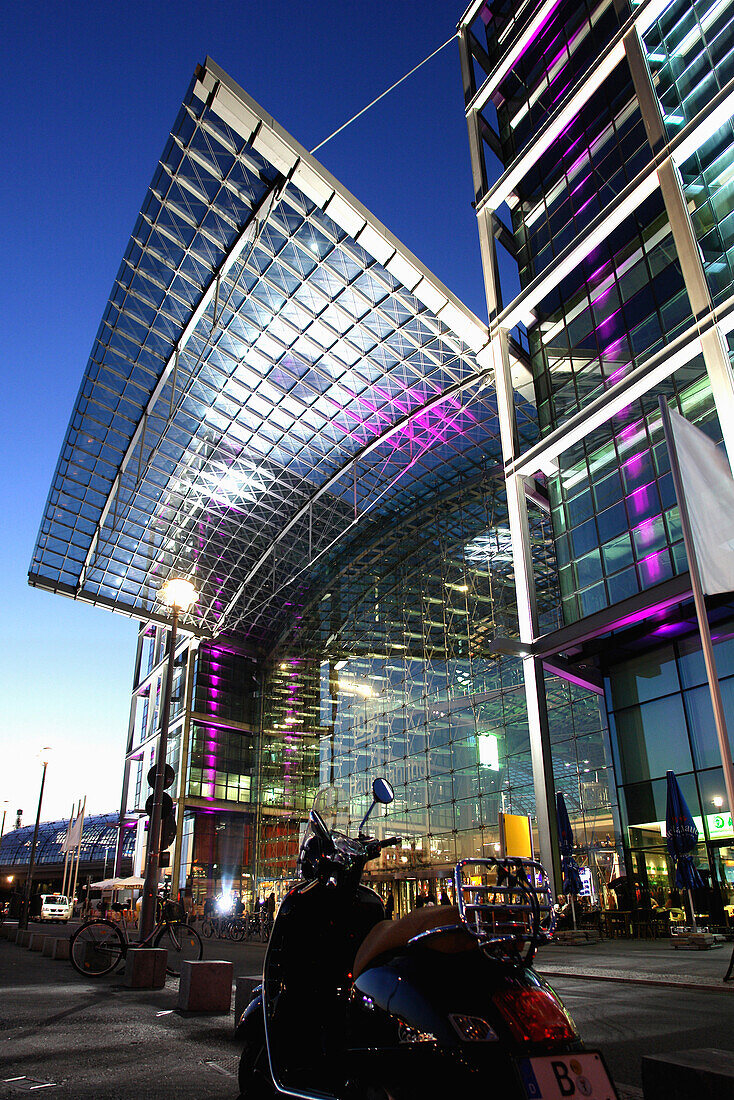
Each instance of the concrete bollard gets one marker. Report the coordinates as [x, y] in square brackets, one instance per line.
[145, 968]
[60, 949]
[689, 1075]
[243, 988]
[205, 987]
[22, 937]
[48, 947]
[36, 941]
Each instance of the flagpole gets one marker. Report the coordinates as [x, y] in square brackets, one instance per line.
[701, 614]
[70, 857]
[79, 847]
[66, 850]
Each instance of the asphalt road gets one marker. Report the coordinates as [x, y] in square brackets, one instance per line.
[102, 1041]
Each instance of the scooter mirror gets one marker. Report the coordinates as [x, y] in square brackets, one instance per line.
[382, 791]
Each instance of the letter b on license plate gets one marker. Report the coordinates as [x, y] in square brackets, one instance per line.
[566, 1077]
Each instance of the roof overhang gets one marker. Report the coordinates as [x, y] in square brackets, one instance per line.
[273, 368]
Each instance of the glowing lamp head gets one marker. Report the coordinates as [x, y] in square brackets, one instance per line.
[179, 593]
[44, 754]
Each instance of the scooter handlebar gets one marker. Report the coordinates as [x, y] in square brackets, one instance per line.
[374, 847]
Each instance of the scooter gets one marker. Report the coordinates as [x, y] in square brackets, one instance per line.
[356, 1007]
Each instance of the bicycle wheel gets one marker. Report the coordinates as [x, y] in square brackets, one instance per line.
[96, 948]
[183, 944]
[239, 929]
[207, 928]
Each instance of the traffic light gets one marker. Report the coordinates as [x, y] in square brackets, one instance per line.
[168, 817]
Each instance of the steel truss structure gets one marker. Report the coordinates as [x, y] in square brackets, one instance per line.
[272, 369]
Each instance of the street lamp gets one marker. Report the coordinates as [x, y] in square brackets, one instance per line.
[23, 921]
[179, 595]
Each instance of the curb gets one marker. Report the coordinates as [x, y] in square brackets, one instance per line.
[724, 987]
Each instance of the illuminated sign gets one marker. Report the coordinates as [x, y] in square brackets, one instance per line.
[587, 890]
[516, 835]
[717, 826]
[489, 752]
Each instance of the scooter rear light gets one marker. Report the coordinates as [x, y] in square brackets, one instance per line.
[535, 1016]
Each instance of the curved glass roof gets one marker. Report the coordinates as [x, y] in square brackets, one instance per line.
[99, 841]
[273, 366]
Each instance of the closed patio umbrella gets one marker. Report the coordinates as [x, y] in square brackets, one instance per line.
[681, 839]
[572, 884]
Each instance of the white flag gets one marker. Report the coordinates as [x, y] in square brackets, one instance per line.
[709, 492]
[65, 845]
[74, 834]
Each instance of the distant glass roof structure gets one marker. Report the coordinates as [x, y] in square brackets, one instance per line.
[99, 841]
[273, 369]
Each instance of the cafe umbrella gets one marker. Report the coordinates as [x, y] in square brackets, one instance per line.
[681, 839]
[572, 884]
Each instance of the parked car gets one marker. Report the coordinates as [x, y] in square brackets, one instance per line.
[55, 907]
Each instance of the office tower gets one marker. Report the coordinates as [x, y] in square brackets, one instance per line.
[601, 147]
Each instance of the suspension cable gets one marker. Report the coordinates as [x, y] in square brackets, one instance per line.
[386, 92]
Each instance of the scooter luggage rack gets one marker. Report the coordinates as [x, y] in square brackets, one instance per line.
[512, 904]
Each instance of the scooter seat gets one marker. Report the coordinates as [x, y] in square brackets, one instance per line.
[390, 935]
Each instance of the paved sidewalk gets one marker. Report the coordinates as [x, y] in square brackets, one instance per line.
[80, 1039]
[648, 962]
[94, 1039]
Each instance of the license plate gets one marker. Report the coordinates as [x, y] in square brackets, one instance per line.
[561, 1076]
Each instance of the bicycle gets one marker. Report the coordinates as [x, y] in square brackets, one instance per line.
[98, 946]
[211, 926]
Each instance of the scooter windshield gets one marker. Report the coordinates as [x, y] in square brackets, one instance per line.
[333, 809]
[328, 805]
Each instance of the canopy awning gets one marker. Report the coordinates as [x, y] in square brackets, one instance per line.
[131, 883]
[273, 368]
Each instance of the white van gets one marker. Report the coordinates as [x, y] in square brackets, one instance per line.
[55, 907]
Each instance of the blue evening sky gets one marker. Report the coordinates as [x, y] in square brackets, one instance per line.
[91, 91]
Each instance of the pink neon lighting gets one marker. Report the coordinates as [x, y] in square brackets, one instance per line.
[651, 567]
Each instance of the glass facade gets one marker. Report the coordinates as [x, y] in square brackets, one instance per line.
[391, 673]
[98, 845]
[660, 691]
[690, 53]
[604, 143]
[613, 503]
[215, 715]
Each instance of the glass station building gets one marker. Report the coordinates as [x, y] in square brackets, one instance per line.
[283, 405]
[602, 145]
[97, 853]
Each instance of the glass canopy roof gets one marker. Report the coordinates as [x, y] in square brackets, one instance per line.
[272, 370]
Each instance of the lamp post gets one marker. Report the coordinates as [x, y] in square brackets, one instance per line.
[23, 921]
[179, 595]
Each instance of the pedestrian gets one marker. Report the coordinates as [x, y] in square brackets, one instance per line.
[444, 899]
[389, 907]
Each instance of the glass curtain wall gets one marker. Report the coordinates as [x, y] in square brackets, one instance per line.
[647, 697]
[215, 740]
[391, 672]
